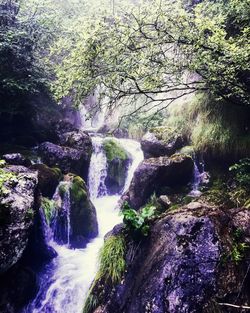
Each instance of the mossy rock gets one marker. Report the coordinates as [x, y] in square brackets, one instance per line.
[118, 161]
[83, 214]
[48, 179]
[114, 150]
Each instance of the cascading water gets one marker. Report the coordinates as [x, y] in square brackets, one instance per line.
[98, 170]
[65, 282]
[61, 222]
[199, 177]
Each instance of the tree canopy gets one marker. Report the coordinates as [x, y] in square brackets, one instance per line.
[162, 50]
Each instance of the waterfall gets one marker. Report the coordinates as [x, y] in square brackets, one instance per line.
[97, 170]
[64, 283]
[61, 221]
[199, 177]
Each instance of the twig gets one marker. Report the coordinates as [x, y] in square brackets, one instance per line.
[235, 306]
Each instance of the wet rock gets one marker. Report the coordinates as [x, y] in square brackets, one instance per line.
[118, 161]
[154, 144]
[164, 202]
[83, 218]
[48, 178]
[179, 267]
[17, 286]
[17, 197]
[73, 205]
[154, 174]
[16, 159]
[77, 140]
[67, 159]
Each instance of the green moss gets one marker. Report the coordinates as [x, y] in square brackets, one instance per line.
[114, 150]
[112, 260]
[6, 178]
[48, 208]
[78, 189]
[57, 172]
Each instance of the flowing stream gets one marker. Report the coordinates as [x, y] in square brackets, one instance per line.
[64, 283]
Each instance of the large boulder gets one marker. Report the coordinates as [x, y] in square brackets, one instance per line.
[73, 205]
[154, 174]
[17, 196]
[48, 178]
[118, 161]
[77, 139]
[66, 158]
[160, 141]
[194, 260]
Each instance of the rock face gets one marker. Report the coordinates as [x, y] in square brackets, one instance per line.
[179, 267]
[48, 179]
[66, 158]
[156, 173]
[153, 145]
[17, 198]
[118, 162]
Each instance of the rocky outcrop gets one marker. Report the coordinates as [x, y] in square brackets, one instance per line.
[188, 263]
[17, 197]
[66, 158]
[118, 161]
[77, 140]
[154, 174]
[48, 179]
[16, 159]
[154, 144]
[23, 246]
[73, 203]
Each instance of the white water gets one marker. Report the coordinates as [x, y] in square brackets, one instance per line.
[66, 281]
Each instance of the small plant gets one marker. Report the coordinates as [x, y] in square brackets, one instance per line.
[238, 248]
[138, 221]
[112, 259]
[241, 172]
[48, 208]
[91, 303]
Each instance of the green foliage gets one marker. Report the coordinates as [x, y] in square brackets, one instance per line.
[48, 208]
[112, 260]
[114, 150]
[149, 49]
[239, 248]
[241, 172]
[138, 221]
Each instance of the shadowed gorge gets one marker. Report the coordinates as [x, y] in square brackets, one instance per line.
[124, 156]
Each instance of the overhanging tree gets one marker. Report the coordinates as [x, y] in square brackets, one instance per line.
[162, 52]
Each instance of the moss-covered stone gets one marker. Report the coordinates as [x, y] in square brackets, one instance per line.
[114, 150]
[48, 178]
[118, 161]
[83, 214]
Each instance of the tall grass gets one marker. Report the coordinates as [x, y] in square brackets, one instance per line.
[212, 126]
[111, 259]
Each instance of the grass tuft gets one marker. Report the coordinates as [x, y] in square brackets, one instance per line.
[111, 259]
